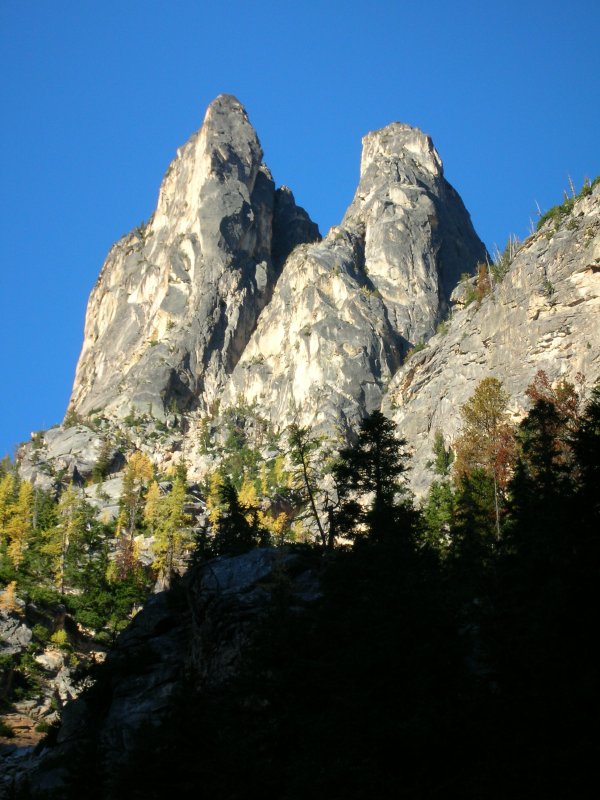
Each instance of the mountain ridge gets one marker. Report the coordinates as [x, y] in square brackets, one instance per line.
[178, 300]
[184, 324]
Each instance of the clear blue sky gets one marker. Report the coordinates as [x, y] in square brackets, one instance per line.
[97, 96]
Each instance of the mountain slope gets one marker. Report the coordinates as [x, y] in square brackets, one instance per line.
[543, 315]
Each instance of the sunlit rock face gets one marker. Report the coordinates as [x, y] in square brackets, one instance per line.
[178, 298]
[345, 310]
[418, 237]
[172, 321]
[543, 315]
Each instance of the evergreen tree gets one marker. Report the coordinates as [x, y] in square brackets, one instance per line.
[369, 476]
[440, 503]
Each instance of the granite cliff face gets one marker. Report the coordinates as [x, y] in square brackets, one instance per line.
[347, 309]
[170, 323]
[178, 298]
[543, 315]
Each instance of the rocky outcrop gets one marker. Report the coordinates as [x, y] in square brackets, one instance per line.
[543, 315]
[178, 298]
[346, 310]
[14, 634]
[196, 634]
[54, 680]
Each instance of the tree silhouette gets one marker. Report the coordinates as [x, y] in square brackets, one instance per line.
[369, 479]
[238, 530]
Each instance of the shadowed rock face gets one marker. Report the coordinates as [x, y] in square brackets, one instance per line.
[346, 309]
[178, 299]
[194, 635]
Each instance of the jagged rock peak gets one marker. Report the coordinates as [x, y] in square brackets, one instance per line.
[418, 236]
[398, 140]
[179, 297]
[226, 147]
[346, 310]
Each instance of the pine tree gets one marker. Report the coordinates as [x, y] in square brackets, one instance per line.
[440, 504]
[370, 479]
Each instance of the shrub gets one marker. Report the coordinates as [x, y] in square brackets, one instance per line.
[60, 638]
[503, 260]
[416, 348]
[559, 212]
[6, 731]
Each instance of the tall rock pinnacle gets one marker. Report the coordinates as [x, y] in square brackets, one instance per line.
[418, 235]
[346, 310]
[179, 297]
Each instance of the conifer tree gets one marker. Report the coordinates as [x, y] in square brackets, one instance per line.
[440, 503]
[65, 536]
[138, 474]
[19, 526]
[152, 506]
[173, 538]
[8, 598]
[370, 479]
[304, 452]
[239, 529]
[8, 486]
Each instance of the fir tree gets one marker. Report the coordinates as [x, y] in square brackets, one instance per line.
[370, 479]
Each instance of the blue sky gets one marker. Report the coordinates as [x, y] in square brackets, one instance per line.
[97, 96]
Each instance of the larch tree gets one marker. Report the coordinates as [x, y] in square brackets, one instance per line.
[304, 449]
[173, 538]
[19, 526]
[138, 474]
[66, 534]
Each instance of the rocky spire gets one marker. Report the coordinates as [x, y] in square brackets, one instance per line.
[178, 298]
[418, 235]
[346, 310]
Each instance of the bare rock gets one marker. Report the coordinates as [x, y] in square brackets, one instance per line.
[178, 298]
[543, 315]
[345, 310]
[14, 634]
